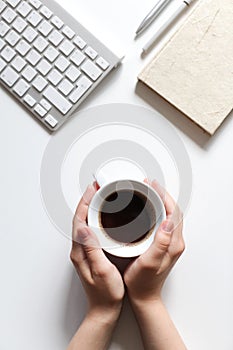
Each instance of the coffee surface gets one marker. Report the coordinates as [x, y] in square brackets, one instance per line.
[127, 216]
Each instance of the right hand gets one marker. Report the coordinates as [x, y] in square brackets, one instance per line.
[145, 276]
[101, 279]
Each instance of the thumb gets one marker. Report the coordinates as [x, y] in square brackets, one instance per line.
[156, 252]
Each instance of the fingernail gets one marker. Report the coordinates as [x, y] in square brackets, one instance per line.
[95, 185]
[167, 226]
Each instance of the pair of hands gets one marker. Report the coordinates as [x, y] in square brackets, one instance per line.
[143, 278]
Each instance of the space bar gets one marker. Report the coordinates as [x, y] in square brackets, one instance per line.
[57, 100]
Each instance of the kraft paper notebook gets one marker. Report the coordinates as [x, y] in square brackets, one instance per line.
[194, 70]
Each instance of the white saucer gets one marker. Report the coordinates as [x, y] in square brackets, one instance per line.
[129, 141]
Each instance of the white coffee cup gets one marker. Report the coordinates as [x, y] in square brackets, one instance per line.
[153, 205]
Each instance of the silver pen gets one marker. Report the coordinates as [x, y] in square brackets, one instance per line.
[184, 4]
[152, 15]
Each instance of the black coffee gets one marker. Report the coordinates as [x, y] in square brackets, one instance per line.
[127, 216]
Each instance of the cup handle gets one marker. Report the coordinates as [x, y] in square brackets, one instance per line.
[100, 178]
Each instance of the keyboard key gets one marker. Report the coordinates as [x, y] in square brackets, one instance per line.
[29, 73]
[18, 63]
[79, 42]
[9, 76]
[44, 67]
[40, 110]
[24, 8]
[30, 34]
[83, 85]
[68, 32]
[43, 61]
[57, 100]
[40, 44]
[21, 87]
[102, 63]
[91, 70]
[77, 57]
[55, 38]
[51, 120]
[23, 47]
[46, 12]
[57, 22]
[19, 24]
[35, 3]
[72, 73]
[45, 104]
[30, 101]
[12, 38]
[13, 3]
[39, 83]
[45, 28]
[55, 77]
[34, 18]
[62, 63]
[2, 44]
[4, 28]
[33, 57]
[2, 64]
[8, 53]
[51, 53]
[9, 15]
[90, 52]
[65, 87]
[2, 5]
[66, 47]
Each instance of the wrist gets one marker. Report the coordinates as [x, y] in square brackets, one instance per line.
[104, 315]
[146, 306]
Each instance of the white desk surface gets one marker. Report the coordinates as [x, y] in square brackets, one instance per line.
[42, 301]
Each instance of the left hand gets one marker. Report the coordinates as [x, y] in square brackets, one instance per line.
[145, 276]
[100, 278]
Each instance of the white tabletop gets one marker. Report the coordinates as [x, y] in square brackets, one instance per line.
[42, 301]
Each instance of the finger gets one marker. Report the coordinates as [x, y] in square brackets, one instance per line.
[78, 225]
[177, 245]
[91, 247]
[173, 213]
[79, 259]
[153, 257]
[168, 201]
[82, 208]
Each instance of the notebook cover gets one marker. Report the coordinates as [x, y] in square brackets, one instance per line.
[194, 70]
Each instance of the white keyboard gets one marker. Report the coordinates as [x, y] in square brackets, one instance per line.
[48, 60]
